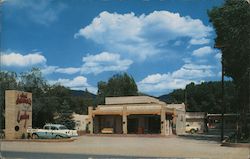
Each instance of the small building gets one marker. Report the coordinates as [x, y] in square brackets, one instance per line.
[80, 121]
[196, 121]
[136, 115]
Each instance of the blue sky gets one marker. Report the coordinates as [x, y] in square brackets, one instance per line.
[163, 44]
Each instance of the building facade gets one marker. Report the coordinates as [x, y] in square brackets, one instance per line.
[136, 115]
[80, 121]
[196, 121]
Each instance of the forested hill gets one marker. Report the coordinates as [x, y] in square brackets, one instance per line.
[205, 97]
[81, 93]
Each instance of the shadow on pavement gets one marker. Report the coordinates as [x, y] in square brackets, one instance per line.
[211, 135]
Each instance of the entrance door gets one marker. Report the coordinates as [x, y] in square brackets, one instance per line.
[154, 124]
[132, 125]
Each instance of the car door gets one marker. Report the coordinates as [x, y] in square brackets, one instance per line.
[46, 133]
[54, 131]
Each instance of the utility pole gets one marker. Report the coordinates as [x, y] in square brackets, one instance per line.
[222, 98]
[248, 111]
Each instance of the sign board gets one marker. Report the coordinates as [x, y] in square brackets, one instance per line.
[18, 113]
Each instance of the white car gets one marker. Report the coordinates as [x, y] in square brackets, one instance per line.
[52, 131]
[192, 128]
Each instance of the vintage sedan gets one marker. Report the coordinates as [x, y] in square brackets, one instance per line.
[52, 131]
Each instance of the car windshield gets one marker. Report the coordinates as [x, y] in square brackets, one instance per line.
[63, 128]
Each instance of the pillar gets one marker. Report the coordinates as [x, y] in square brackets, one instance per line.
[167, 127]
[91, 127]
[163, 121]
[124, 120]
[18, 114]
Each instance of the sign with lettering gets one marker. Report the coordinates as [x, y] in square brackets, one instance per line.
[24, 105]
[18, 113]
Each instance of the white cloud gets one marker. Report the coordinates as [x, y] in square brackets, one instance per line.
[177, 79]
[56, 69]
[69, 70]
[95, 64]
[17, 59]
[203, 51]
[141, 36]
[49, 69]
[218, 56]
[193, 71]
[41, 12]
[200, 41]
[77, 83]
[161, 82]
[104, 61]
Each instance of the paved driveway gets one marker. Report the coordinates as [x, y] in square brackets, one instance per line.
[171, 147]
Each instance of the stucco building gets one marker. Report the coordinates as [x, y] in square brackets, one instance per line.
[136, 115]
[196, 120]
[80, 121]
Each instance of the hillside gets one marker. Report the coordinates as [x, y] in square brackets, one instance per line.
[84, 94]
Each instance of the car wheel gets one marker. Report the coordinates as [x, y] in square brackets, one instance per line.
[58, 137]
[35, 136]
[192, 131]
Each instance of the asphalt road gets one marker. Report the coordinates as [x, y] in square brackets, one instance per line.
[32, 155]
[98, 147]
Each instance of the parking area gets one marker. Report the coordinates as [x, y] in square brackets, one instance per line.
[140, 146]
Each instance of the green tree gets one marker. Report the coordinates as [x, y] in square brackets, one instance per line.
[204, 97]
[231, 23]
[33, 81]
[65, 116]
[117, 85]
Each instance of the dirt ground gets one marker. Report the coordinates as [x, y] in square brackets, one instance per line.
[150, 146]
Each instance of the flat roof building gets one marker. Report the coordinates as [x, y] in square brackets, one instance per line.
[136, 115]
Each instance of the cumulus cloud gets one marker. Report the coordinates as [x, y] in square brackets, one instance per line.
[203, 51]
[77, 83]
[17, 59]
[94, 64]
[104, 61]
[141, 36]
[161, 82]
[193, 71]
[177, 79]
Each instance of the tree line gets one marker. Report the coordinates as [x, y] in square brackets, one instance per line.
[205, 97]
[50, 103]
[56, 103]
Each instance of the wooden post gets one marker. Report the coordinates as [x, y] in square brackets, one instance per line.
[163, 121]
[90, 112]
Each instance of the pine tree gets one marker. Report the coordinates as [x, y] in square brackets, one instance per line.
[65, 116]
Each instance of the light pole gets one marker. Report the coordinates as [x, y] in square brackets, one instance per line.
[249, 88]
[222, 97]
[221, 47]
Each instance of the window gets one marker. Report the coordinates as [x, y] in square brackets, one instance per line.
[62, 128]
[46, 127]
[78, 123]
[54, 128]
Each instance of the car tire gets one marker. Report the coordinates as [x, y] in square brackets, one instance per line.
[58, 137]
[192, 131]
[35, 136]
